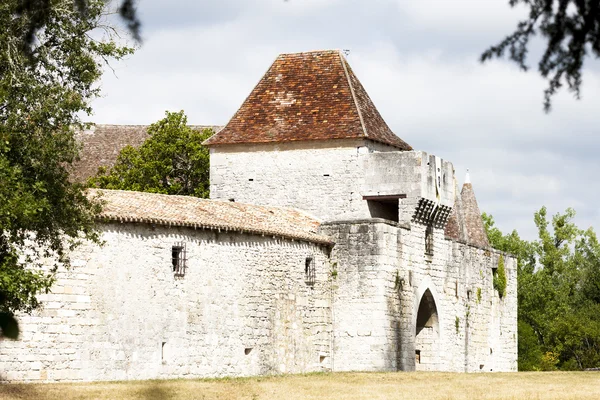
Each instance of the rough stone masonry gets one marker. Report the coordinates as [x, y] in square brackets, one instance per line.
[328, 244]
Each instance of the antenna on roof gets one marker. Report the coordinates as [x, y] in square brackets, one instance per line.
[346, 52]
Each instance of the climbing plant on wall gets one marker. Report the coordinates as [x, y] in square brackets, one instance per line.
[500, 278]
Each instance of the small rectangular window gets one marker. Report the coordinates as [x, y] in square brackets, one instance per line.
[179, 259]
[309, 271]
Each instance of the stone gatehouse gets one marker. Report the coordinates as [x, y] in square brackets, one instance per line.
[328, 244]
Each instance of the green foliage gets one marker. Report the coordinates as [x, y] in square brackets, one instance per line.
[9, 326]
[171, 161]
[558, 293]
[549, 361]
[530, 350]
[457, 324]
[42, 94]
[499, 280]
[334, 272]
[478, 295]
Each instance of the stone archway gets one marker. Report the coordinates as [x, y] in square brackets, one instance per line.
[427, 334]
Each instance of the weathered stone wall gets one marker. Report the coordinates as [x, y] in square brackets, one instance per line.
[120, 313]
[383, 273]
[329, 179]
[477, 329]
[365, 322]
[322, 178]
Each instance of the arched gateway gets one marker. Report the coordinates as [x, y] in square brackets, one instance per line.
[427, 334]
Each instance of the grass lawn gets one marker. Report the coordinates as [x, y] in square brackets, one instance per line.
[399, 385]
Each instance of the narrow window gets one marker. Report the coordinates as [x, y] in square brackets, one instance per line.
[309, 271]
[429, 240]
[178, 258]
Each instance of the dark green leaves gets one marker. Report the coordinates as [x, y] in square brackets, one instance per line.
[171, 161]
[9, 326]
[42, 94]
[558, 292]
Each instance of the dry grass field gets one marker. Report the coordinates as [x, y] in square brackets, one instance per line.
[401, 385]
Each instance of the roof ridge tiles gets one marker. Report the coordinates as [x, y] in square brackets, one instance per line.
[362, 121]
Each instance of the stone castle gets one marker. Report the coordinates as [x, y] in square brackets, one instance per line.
[328, 244]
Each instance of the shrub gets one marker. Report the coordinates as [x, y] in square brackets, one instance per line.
[500, 278]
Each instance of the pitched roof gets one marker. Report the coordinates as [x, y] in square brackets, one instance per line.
[307, 96]
[162, 209]
[474, 228]
[455, 227]
[101, 145]
[465, 223]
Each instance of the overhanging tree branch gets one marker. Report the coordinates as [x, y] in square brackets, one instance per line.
[570, 28]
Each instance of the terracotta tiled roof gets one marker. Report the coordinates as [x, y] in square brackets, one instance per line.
[101, 144]
[307, 96]
[126, 206]
[455, 227]
[474, 228]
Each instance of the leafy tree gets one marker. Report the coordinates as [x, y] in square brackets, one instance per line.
[42, 214]
[558, 282]
[171, 161]
[571, 29]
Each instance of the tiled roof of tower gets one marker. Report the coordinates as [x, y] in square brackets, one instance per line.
[101, 145]
[307, 96]
[474, 229]
[170, 210]
[455, 228]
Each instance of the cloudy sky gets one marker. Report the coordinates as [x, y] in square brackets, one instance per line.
[418, 60]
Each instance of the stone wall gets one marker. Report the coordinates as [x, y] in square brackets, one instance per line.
[322, 178]
[242, 308]
[330, 179]
[365, 322]
[384, 273]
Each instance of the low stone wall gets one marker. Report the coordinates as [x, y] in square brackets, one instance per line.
[243, 307]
